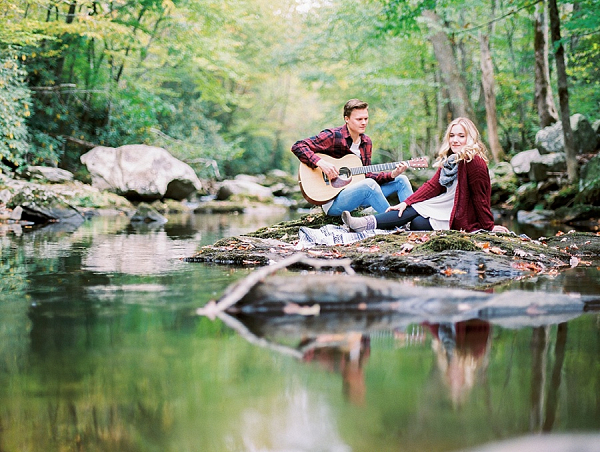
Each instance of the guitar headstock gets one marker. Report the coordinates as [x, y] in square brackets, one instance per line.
[418, 162]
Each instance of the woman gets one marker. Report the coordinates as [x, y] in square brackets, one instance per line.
[456, 197]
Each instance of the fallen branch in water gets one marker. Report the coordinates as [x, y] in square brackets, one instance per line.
[241, 289]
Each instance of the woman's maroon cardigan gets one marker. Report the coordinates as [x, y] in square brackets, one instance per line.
[472, 205]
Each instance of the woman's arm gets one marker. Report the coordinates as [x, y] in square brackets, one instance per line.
[480, 187]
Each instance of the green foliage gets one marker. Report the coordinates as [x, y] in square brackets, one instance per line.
[15, 102]
[236, 82]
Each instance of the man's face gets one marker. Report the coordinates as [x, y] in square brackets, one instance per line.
[357, 122]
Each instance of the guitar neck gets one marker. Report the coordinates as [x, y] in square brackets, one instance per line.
[374, 168]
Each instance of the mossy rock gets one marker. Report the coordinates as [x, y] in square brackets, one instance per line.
[444, 243]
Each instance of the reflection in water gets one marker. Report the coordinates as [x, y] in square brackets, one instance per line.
[101, 351]
[297, 421]
[461, 349]
[345, 354]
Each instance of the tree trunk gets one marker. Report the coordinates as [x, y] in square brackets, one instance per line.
[543, 90]
[563, 93]
[489, 91]
[460, 104]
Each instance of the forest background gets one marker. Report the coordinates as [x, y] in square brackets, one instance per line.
[236, 82]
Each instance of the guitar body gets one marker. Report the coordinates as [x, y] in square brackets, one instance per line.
[317, 189]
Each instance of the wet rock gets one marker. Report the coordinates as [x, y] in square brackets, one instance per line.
[147, 214]
[54, 210]
[449, 258]
[535, 216]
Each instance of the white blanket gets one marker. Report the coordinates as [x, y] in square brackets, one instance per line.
[331, 234]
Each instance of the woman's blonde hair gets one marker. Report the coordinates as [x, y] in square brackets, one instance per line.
[473, 147]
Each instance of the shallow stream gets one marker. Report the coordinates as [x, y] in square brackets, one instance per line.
[101, 350]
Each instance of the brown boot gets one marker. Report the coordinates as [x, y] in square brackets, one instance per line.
[359, 224]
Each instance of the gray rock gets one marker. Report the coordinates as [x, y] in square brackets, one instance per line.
[140, 172]
[589, 177]
[55, 211]
[534, 216]
[147, 214]
[596, 128]
[521, 163]
[5, 196]
[550, 139]
[547, 163]
[584, 135]
[244, 187]
[50, 174]
[16, 213]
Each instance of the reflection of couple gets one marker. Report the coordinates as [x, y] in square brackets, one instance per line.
[345, 354]
[461, 349]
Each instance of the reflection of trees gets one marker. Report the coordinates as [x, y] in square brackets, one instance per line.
[543, 419]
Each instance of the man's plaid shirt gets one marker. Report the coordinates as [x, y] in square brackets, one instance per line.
[336, 143]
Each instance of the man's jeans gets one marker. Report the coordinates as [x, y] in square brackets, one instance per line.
[368, 193]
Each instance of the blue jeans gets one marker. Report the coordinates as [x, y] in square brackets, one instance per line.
[368, 193]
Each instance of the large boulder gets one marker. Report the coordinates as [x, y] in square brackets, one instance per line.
[244, 187]
[544, 165]
[43, 206]
[140, 172]
[550, 139]
[537, 167]
[589, 181]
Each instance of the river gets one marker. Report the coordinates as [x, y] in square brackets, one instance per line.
[101, 350]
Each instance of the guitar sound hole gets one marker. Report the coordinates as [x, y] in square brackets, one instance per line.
[344, 178]
[345, 173]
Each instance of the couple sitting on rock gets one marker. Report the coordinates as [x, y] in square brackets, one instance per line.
[456, 197]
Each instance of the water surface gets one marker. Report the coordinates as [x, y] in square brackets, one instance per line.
[101, 350]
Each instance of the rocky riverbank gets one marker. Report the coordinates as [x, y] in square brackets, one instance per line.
[450, 258]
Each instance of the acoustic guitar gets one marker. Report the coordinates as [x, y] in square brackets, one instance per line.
[318, 189]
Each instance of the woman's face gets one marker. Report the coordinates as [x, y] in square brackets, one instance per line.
[457, 138]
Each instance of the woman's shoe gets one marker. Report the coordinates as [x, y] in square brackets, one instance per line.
[359, 224]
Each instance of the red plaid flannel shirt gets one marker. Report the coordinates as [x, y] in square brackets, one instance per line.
[336, 143]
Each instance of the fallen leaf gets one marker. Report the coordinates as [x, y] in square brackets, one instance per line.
[574, 262]
[483, 245]
[521, 253]
[527, 266]
[314, 253]
[453, 271]
[559, 233]
[496, 250]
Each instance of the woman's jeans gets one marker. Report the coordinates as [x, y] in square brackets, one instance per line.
[391, 220]
[368, 193]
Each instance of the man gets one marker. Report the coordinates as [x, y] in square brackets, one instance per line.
[347, 139]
